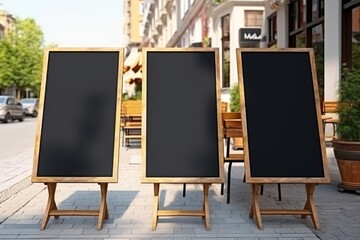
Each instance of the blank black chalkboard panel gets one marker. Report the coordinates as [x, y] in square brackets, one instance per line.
[78, 132]
[282, 126]
[181, 121]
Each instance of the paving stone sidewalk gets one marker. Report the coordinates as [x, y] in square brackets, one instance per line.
[130, 208]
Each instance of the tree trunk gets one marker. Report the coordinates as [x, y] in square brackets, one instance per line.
[18, 94]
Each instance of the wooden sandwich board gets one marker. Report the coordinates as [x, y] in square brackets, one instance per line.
[282, 126]
[78, 128]
[181, 127]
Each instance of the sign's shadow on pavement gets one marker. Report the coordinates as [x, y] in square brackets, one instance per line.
[118, 202]
[193, 200]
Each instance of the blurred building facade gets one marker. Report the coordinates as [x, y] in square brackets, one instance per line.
[206, 23]
[172, 23]
[133, 21]
[7, 22]
[232, 25]
[331, 28]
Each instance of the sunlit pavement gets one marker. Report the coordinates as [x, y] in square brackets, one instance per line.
[130, 206]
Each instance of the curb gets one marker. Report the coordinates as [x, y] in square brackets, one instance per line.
[14, 189]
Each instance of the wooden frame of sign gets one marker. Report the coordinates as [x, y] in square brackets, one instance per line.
[168, 147]
[54, 157]
[285, 79]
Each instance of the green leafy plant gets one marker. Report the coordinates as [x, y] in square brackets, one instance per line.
[206, 42]
[348, 127]
[234, 99]
[21, 53]
[216, 2]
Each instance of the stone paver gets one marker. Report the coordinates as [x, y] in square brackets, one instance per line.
[130, 208]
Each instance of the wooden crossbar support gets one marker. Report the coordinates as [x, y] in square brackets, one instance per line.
[133, 136]
[72, 213]
[204, 213]
[52, 210]
[181, 213]
[309, 209]
[284, 212]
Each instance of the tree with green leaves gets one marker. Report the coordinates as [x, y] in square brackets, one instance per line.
[21, 57]
[5, 65]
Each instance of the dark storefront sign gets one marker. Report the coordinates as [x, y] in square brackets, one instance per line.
[250, 34]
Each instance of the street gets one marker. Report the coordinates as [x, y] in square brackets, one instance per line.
[17, 141]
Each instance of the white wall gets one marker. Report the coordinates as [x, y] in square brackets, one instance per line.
[237, 21]
[215, 32]
[332, 46]
[197, 33]
[282, 27]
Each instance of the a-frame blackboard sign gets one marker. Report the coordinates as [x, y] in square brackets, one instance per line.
[77, 139]
[282, 126]
[181, 127]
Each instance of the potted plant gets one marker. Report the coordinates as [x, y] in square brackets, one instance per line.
[347, 145]
[235, 107]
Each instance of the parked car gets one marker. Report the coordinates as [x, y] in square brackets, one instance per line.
[11, 109]
[31, 106]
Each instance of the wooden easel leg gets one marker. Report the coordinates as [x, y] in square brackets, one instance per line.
[206, 206]
[51, 205]
[310, 205]
[279, 191]
[229, 182]
[103, 212]
[156, 205]
[251, 213]
[227, 154]
[255, 208]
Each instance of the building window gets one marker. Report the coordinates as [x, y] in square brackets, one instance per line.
[225, 46]
[297, 12]
[272, 25]
[317, 43]
[141, 8]
[299, 40]
[351, 34]
[317, 9]
[253, 18]
[306, 29]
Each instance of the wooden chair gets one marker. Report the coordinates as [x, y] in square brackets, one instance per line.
[330, 107]
[231, 122]
[131, 121]
[224, 106]
[232, 128]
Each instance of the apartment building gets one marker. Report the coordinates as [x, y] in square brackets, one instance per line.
[206, 23]
[173, 23]
[6, 24]
[133, 21]
[233, 24]
[6, 21]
